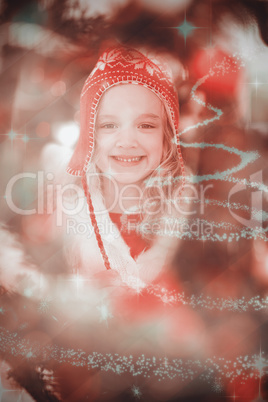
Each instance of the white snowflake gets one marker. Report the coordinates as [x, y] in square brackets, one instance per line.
[217, 387]
[29, 355]
[44, 305]
[118, 369]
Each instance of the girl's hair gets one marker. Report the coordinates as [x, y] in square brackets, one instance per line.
[162, 183]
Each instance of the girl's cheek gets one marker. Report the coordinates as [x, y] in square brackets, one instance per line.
[100, 145]
[103, 141]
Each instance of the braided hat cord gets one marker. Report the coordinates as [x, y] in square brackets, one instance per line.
[94, 223]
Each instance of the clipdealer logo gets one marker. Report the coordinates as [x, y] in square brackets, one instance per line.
[52, 198]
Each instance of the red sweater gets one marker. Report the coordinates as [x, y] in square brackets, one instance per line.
[127, 226]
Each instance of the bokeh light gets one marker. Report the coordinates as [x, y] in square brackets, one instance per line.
[67, 134]
[58, 89]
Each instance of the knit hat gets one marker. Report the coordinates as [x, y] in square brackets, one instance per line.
[121, 66]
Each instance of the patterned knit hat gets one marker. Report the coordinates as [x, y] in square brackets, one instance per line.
[121, 66]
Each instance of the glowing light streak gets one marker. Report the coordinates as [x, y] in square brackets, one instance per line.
[218, 112]
[258, 215]
[204, 230]
[246, 159]
[250, 184]
[230, 205]
[241, 305]
[242, 367]
[219, 69]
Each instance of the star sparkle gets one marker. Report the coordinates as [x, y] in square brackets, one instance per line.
[186, 29]
[256, 84]
[78, 281]
[25, 138]
[136, 392]
[12, 135]
[105, 314]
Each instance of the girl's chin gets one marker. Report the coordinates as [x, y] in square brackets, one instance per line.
[131, 179]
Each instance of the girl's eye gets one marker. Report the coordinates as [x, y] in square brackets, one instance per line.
[108, 125]
[146, 126]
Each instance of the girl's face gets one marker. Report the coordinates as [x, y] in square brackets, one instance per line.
[129, 133]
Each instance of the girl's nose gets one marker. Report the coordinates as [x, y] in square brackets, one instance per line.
[127, 138]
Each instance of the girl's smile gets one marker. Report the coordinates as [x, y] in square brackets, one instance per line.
[127, 160]
[129, 133]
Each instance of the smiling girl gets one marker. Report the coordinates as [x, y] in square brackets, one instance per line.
[128, 156]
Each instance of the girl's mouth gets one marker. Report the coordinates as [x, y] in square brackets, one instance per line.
[127, 160]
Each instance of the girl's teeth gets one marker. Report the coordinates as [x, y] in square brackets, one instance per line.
[128, 160]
